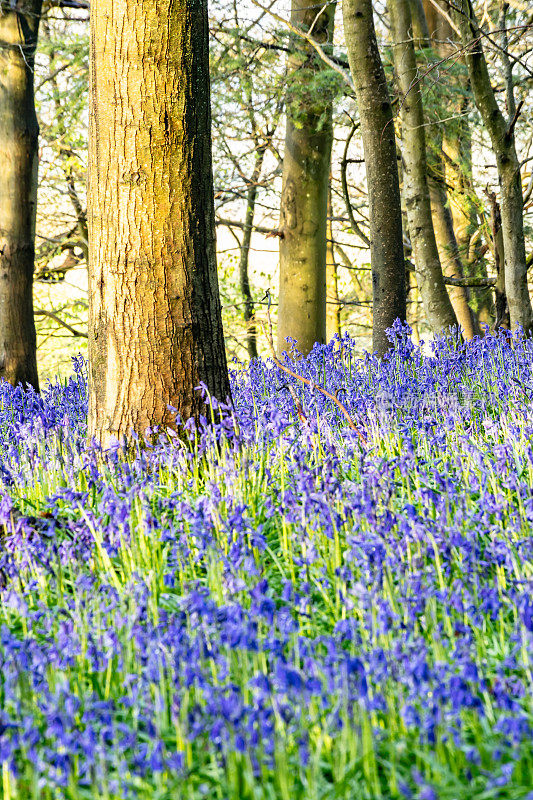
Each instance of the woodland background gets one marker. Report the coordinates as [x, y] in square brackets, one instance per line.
[252, 90]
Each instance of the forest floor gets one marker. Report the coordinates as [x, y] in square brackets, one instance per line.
[277, 606]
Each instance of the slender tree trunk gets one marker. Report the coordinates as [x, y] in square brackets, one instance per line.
[379, 143]
[450, 259]
[19, 141]
[502, 306]
[457, 156]
[450, 160]
[304, 195]
[458, 171]
[437, 306]
[419, 19]
[262, 140]
[333, 306]
[244, 278]
[507, 66]
[155, 319]
[413, 304]
[502, 137]
[452, 265]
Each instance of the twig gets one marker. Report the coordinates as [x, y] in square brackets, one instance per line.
[440, 10]
[231, 223]
[470, 282]
[332, 64]
[297, 403]
[464, 282]
[510, 129]
[76, 4]
[344, 180]
[74, 332]
[456, 54]
[311, 384]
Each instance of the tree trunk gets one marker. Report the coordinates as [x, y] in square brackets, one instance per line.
[450, 259]
[419, 19]
[457, 151]
[19, 142]
[379, 144]
[432, 31]
[244, 278]
[502, 137]
[502, 307]
[304, 194]
[452, 149]
[413, 303]
[437, 306]
[154, 308]
[333, 306]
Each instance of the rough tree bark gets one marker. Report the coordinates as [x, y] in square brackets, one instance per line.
[437, 306]
[501, 132]
[154, 319]
[19, 137]
[304, 195]
[379, 144]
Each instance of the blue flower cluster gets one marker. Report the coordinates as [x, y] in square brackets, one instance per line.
[267, 607]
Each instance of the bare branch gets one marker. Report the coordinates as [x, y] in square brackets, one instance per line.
[51, 315]
[268, 333]
[344, 180]
[232, 223]
[510, 129]
[332, 63]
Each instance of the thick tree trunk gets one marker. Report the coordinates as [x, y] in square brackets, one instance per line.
[19, 139]
[155, 320]
[379, 143]
[437, 306]
[304, 195]
[502, 137]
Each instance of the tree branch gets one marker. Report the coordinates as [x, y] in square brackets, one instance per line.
[51, 315]
[510, 129]
[331, 62]
[466, 283]
[231, 223]
[344, 180]
[312, 385]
